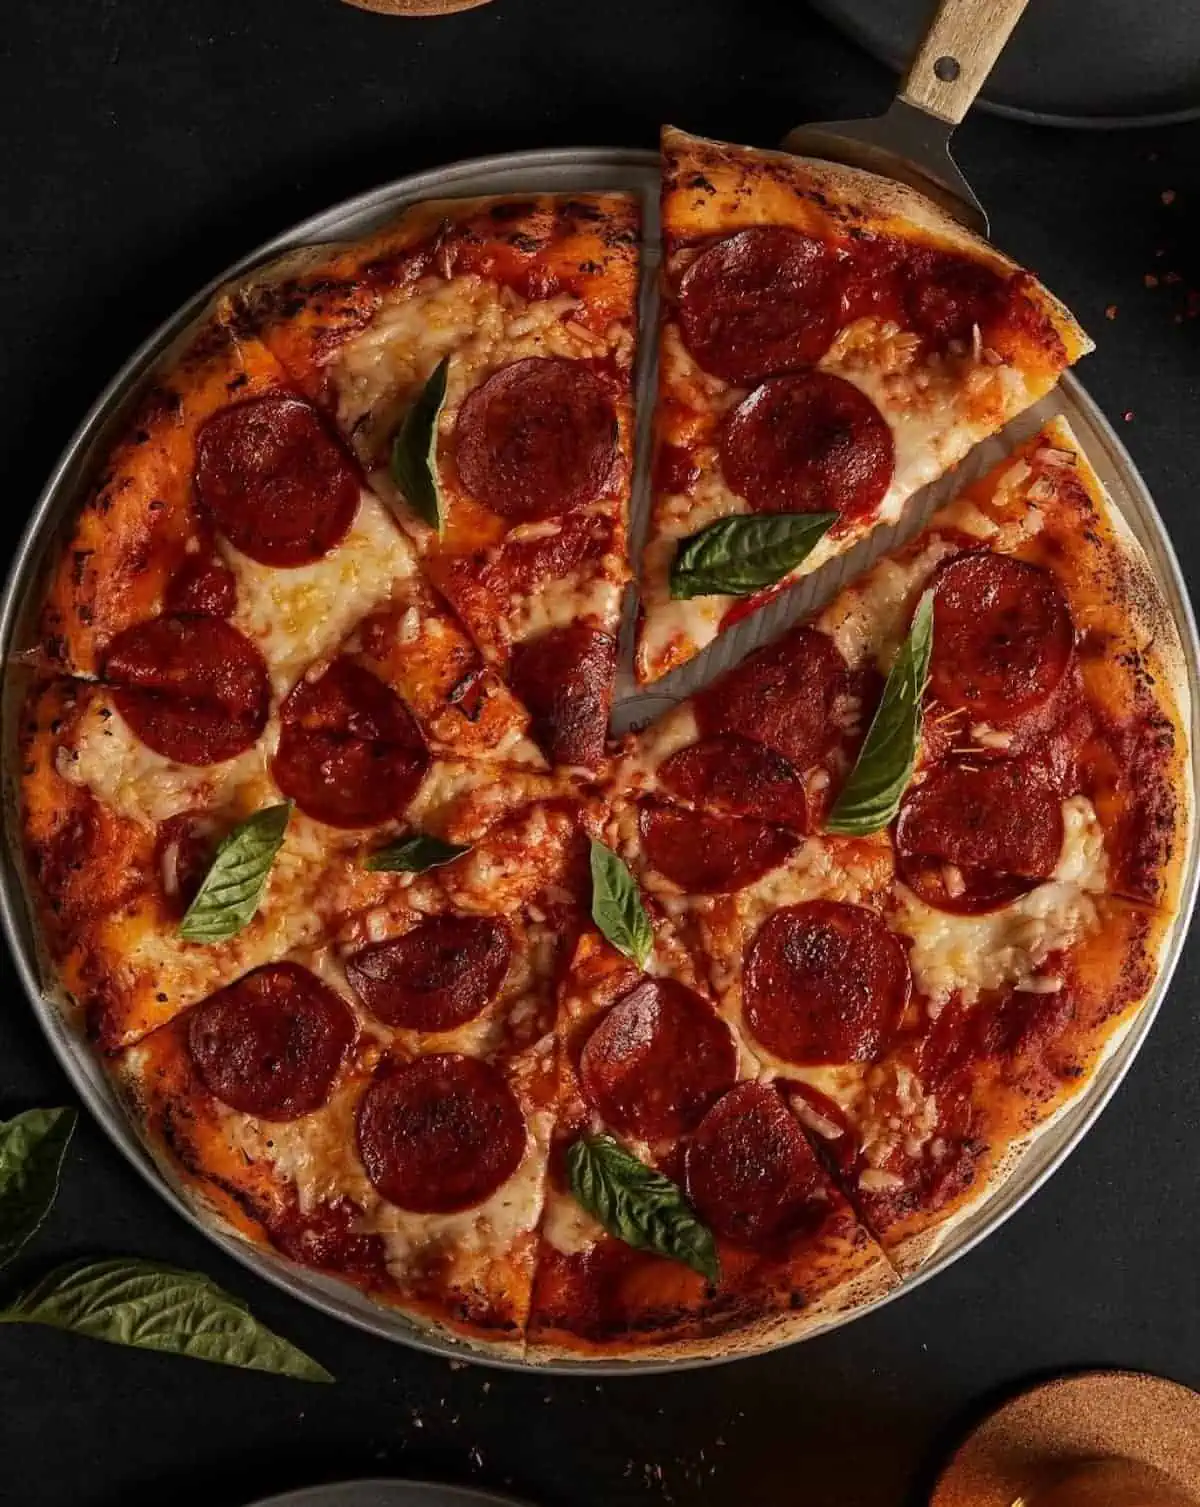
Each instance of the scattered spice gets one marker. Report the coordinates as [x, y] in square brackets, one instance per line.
[1168, 196]
[1128, 415]
[1111, 311]
[1150, 280]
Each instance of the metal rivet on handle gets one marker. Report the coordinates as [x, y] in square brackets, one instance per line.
[947, 69]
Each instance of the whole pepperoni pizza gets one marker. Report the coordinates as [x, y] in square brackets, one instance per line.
[675, 1045]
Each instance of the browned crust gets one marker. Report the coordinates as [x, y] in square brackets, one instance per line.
[137, 523]
[711, 188]
[182, 1126]
[838, 1269]
[84, 860]
[307, 303]
[1018, 1098]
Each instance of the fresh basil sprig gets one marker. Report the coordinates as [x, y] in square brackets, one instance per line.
[152, 1307]
[415, 854]
[32, 1148]
[739, 556]
[233, 886]
[639, 1205]
[617, 907]
[871, 796]
[414, 451]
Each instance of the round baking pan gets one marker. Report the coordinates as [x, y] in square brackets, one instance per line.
[555, 171]
[1086, 64]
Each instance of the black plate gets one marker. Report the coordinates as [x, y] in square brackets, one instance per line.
[1069, 62]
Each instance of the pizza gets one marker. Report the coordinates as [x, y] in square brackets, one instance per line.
[930, 994]
[409, 972]
[830, 343]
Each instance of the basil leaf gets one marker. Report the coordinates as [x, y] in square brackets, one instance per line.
[639, 1205]
[414, 451]
[233, 886]
[32, 1147]
[126, 1301]
[872, 795]
[738, 556]
[415, 854]
[617, 907]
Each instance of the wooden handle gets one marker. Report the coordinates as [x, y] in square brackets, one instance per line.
[958, 52]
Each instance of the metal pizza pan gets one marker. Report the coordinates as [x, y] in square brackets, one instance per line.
[564, 170]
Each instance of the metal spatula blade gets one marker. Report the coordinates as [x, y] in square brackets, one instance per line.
[911, 142]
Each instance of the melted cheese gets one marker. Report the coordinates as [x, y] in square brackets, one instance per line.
[568, 1227]
[937, 410]
[318, 1155]
[298, 616]
[969, 954]
[106, 756]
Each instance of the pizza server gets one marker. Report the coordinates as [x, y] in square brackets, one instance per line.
[911, 141]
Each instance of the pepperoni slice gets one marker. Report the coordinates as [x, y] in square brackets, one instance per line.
[349, 751]
[203, 586]
[711, 855]
[183, 855]
[565, 679]
[192, 689]
[1002, 636]
[657, 1060]
[946, 296]
[750, 1172]
[739, 776]
[785, 695]
[537, 439]
[440, 1133]
[274, 481]
[973, 836]
[825, 982]
[435, 977]
[271, 1044]
[809, 443]
[760, 302]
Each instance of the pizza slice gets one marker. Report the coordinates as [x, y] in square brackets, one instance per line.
[932, 987]
[477, 355]
[686, 1212]
[830, 343]
[1057, 684]
[230, 543]
[119, 836]
[379, 1107]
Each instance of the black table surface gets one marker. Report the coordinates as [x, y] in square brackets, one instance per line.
[147, 145]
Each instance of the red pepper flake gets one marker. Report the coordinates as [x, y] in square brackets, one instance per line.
[1111, 311]
[1172, 278]
[1128, 415]
[1150, 280]
[1168, 196]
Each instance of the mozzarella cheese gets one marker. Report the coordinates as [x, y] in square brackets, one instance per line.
[105, 756]
[970, 954]
[298, 616]
[937, 408]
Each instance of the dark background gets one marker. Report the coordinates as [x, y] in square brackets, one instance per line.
[148, 144]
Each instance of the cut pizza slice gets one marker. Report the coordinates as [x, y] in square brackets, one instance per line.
[932, 993]
[229, 545]
[379, 1107]
[477, 355]
[119, 836]
[830, 343]
[1058, 690]
[686, 1212]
